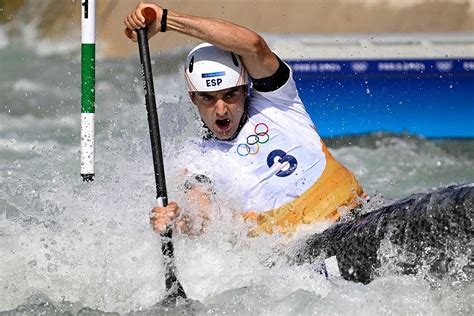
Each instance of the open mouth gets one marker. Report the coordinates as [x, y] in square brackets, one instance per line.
[223, 124]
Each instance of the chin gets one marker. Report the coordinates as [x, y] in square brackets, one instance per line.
[224, 135]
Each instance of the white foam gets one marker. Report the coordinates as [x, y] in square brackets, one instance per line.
[91, 243]
[27, 85]
[24, 147]
[46, 47]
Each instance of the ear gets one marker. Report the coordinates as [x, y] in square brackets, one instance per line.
[192, 96]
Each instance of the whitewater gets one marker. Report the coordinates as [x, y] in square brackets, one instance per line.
[69, 247]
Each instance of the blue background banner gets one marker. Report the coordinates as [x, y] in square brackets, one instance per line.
[432, 98]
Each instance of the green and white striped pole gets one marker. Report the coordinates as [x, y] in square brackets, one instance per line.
[88, 90]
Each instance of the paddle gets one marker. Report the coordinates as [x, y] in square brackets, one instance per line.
[173, 287]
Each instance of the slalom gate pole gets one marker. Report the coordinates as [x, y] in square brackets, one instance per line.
[173, 287]
[88, 90]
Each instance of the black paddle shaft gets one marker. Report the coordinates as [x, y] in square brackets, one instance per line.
[152, 116]
[173, 287]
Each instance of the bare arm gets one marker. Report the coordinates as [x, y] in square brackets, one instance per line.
[257, 57]
[195, 225]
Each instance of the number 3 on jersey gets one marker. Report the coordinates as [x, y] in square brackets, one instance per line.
[281, 157]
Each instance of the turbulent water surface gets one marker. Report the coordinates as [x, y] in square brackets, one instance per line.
[74, 247]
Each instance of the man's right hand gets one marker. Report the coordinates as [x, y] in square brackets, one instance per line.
[162, 217]
[135, 20]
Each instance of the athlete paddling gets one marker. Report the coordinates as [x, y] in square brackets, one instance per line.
[262, 137]
[285, 173]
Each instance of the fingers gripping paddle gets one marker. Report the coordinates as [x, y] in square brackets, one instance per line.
[173, 287]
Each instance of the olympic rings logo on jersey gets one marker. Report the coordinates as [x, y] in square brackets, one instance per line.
[254, 141]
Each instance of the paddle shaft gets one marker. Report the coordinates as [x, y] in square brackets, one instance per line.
[173, 287]
[153, 124]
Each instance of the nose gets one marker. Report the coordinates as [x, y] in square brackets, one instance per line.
[221, 107]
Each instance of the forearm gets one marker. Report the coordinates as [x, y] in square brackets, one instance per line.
[221, 33]
[191, 226]
[257, 57]
[194, 221]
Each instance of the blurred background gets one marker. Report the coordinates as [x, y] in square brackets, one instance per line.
[346, 54]
[60, 19]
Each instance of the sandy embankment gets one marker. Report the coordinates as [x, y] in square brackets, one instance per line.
[271, 16]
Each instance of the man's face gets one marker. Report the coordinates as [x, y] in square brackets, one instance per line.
[221, 110]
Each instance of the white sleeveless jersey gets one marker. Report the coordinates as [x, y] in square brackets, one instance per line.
[276, 156]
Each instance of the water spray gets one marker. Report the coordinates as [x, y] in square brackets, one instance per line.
[88, 90]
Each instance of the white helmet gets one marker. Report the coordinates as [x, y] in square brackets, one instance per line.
[209, 68]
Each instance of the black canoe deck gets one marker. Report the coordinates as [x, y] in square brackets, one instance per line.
[430, 230]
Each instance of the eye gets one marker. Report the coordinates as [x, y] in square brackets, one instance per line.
[206, 97]
[231, 94]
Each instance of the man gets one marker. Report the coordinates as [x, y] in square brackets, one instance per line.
[266, 140]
